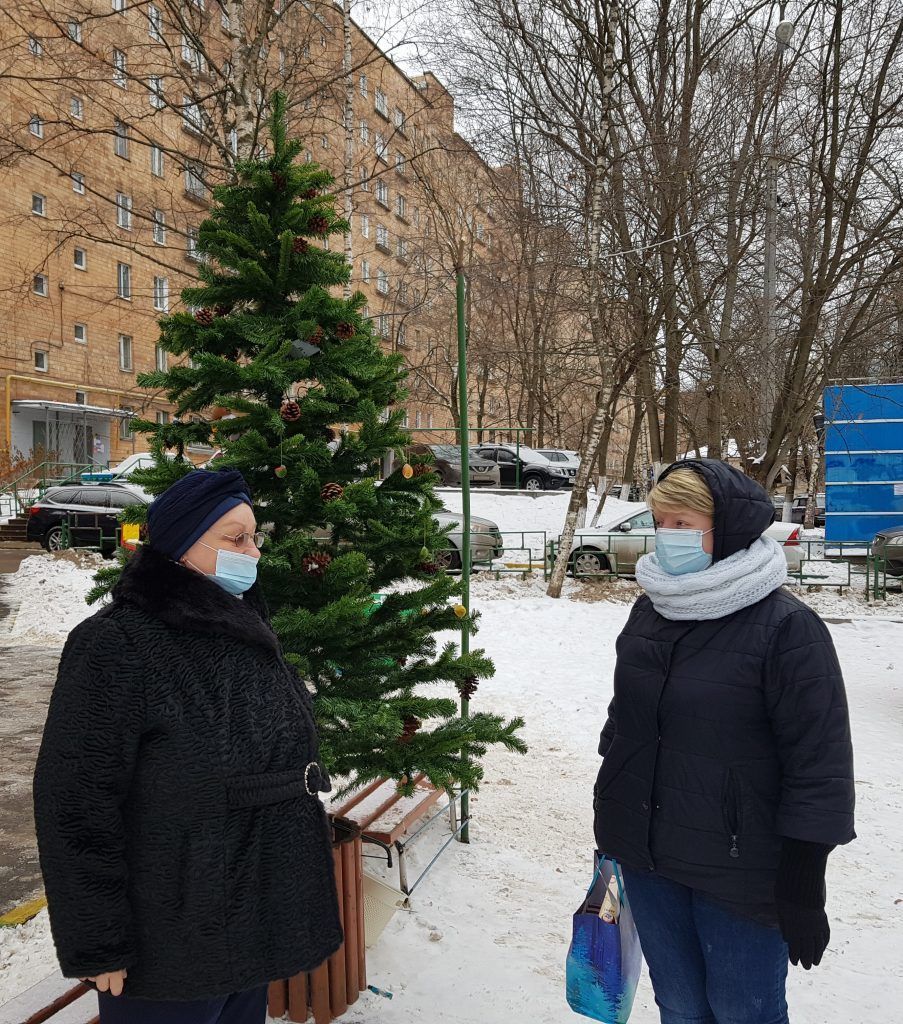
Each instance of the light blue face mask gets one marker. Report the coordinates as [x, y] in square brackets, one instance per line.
[680, 551]
[235, 572]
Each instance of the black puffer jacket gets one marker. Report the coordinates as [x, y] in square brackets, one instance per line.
[179, 835]
[725, 735]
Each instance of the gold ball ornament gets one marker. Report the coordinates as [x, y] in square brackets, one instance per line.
[407, 471]
[460, 611]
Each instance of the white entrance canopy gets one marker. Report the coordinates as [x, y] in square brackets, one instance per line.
[23, 404]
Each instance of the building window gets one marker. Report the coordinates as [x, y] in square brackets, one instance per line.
[41, 360]
[80, 333]
[161, 296]
[156, 160]
[401, 337]
[74, 30]
[125, 422]
[36, 126]
[40, 285]
[324, 142]
[382, 193]
[38, 205]
[382, 322]
[81, 398]
[192, 56]
[119, 68]
[192, 116]
[191, 244]
[382, 282]
[365, 179]
[121, 140]
[364, 132]
[362, 85]
[365, 225]
[401, 249]
[416, 216]
[381, 103]
[194, 181]
[401, 206]
[382, 150]
[382, 237]
[155, 85]
[123, 211]
[400, 120]
[400, 164]
[365, 271]
[78, 182]
[77, 107]
[123, 280]
[119, 6]
[162, 418]
[161, 359]
[480, 232]
[403, 291]
[159, 227]
[35, 46]
[154, 23]
[79, 259]
[125, 352]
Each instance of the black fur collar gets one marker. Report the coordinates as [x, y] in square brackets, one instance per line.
[186, 600]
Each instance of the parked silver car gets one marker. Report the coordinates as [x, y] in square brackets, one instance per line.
[485, 540]
[616, 546]
[888, 544]
[447, 466]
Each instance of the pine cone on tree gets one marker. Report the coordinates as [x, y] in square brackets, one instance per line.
[429, 568]
[300, 245]
[316, 337]
[315, 565]
[290, 411]
[222, 309]
[402, 661]
[422, 468]
[332, 492]
[411, 727]
[318, 225]
[467, 687]
[310, 193]
[204, 317]
[344, 330]
[279, 180]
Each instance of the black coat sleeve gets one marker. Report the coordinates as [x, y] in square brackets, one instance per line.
[608, 730]
[807, 707]
[83, 773]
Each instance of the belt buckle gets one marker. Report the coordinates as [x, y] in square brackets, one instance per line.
[310, 792]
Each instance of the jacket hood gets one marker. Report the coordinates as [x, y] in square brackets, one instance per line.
[188, 601]
[743, 510]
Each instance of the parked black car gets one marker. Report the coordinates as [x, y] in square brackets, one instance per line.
[91, 510]
[536, 472]
[798, 511]
[888, 544]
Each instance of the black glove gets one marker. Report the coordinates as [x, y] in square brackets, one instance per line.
[800, 897]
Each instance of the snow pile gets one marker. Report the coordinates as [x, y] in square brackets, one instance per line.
[487, 934]
[26, 956]
[47, 596]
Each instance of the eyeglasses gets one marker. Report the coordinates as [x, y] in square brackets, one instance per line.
[241, 540]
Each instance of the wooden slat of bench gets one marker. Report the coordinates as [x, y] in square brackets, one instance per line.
[417, 811]
[55, 998]
[369, 822]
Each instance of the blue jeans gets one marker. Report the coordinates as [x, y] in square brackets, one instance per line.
[707, 964]
[241, 1008]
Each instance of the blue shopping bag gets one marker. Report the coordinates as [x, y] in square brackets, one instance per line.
[605, 959]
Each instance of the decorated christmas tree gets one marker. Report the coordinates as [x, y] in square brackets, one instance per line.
[289, 384]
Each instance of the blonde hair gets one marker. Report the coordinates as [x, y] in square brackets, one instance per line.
[682, 489]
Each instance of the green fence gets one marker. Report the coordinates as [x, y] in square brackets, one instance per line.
[17, 494]
[502, 551]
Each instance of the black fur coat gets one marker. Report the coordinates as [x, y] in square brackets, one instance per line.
[180, 831]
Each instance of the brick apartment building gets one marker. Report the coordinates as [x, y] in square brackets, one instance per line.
[117, 118]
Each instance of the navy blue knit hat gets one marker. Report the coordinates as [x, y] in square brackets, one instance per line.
[186, 510]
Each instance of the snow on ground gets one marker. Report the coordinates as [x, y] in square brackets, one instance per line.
[47, 596]
[487, 933]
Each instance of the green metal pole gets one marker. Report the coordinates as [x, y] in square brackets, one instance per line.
[465, 508]
[517, 464]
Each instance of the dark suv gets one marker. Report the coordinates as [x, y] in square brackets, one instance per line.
[524, 467]
[91, 510]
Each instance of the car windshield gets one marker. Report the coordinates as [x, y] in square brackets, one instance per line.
[531, 454]
[447, 451]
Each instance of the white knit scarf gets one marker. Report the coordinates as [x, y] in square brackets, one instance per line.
[727, 586]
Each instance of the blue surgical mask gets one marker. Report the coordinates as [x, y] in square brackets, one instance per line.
[235, 572]
[680, 551]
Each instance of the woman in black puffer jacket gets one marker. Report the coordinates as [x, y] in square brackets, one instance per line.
[727, 776]
[186, 856]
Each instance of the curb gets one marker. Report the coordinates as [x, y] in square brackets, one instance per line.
[24, 912]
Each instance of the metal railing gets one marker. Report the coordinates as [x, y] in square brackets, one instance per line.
[518, 555]
[17, 494]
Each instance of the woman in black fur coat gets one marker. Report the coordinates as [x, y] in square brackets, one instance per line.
[185, 851]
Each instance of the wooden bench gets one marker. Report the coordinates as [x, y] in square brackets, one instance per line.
[386, 818]
[56, 999]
